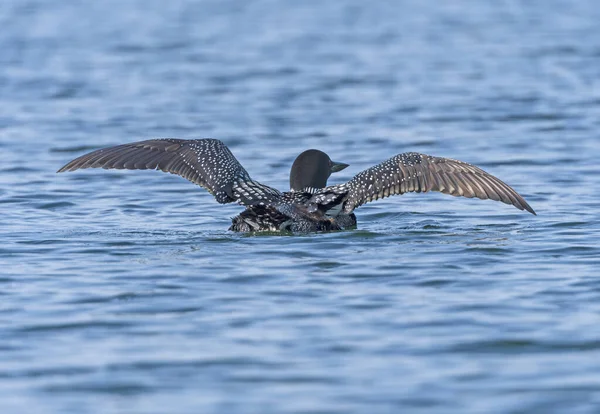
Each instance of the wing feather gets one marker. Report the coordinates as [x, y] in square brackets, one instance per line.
[414, 172]
[205, 162]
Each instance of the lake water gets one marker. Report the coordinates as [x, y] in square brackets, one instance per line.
[123, 291]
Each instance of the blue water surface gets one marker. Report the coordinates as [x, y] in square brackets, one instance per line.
[123, 291]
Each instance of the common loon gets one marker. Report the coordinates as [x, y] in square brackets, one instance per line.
[310, 205]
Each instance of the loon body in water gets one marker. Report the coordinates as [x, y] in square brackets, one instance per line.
[310, 205]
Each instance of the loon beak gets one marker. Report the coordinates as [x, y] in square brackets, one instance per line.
[337, 166]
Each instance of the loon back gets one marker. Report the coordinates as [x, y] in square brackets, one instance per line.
[309, 206]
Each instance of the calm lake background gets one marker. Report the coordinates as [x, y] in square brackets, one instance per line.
[123, 292]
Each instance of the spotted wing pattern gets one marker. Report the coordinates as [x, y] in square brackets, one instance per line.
[206, 162]
[414, 172]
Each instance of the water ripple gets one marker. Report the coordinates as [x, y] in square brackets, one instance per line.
[123, 291]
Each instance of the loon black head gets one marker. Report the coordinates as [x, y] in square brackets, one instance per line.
[311, 169]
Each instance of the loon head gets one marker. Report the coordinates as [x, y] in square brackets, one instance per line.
[311, 169]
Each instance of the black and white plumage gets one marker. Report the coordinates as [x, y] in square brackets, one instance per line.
[414, 172]
[206, 162]
[309, 205]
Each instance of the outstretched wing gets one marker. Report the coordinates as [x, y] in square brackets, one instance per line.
[206, 162]
[414, 172]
